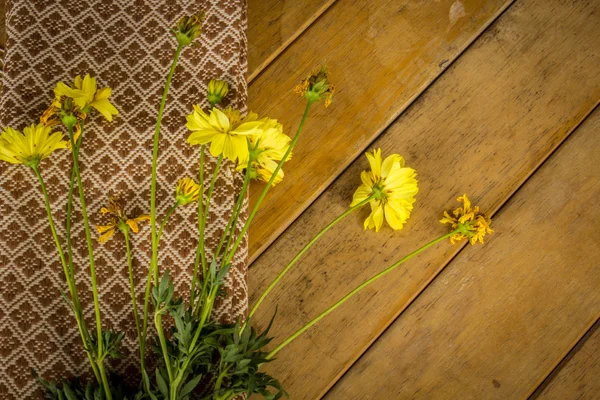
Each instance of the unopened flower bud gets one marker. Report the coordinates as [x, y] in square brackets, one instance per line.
[187, 191]
[189, 28]
[217, 90]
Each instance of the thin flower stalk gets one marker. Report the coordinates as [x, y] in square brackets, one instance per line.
[72, 288]
[304, 250]
[356, 290]
[136, 315]
[200, 246]
[88, 236]
[229, 256]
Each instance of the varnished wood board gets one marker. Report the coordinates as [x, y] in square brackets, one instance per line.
[578, 375]
[381, 54]
[274, 24]
[482, 128]
[501, 315]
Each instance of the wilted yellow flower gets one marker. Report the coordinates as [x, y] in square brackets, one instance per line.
[118, 220]
[217, 90]
[316, 87]
[187, 190]
[226, 131]
[473, 224]
[267, 149]
[392, 188]
[85, 95]
[188, 28]
[34, 144]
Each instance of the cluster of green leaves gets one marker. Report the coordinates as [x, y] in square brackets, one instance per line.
[74, 390]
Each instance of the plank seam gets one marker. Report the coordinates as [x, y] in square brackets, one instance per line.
[393, 119]
[303, 28]
[497, 210]
[562, 361]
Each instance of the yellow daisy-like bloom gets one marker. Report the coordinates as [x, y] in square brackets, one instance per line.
[267, 149]
[187, 191]
[316, 87]
[473, 223]
[85, 94]
[118, 220]
[392, 188]
[30, 147]
[226, 131]
[217, 90]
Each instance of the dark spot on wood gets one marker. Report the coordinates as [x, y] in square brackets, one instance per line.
[496, 383]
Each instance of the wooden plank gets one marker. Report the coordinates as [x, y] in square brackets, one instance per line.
[483, 127]
[382, 54]
[274, 24]
[577, 375]
[501, 316]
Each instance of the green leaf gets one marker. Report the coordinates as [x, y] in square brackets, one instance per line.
[187, 389]
[70, 395]
[162, 385]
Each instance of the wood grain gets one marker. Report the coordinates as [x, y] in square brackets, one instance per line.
[482, 128]
[382, 54]
[274, 24]
[577, 375]
[500, 316]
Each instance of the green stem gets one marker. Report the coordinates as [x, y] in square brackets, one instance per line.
[71, 283]
[161, 109]
[165, 219]
[88, 236]
[231, 253]
[163, 342]
[220, 378]
[304, 249]
[200, 246]
[105, 384]
[136, 316]
[354, 291]
[82, 326]
[232, 223]
[204, 219]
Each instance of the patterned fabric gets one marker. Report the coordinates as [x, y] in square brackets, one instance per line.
[127, 46]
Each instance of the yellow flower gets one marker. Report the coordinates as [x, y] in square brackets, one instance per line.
[189, 28]
[217, 90]
[391, 187]
[226, 131]
[34, 144]
[316, 87]
[85, 95]
[118, 219]
[187, 190]
[473, 224]
[267, 149]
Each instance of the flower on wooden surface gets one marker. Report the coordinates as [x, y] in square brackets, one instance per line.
[472, 223]
[267, 149]
[35, 143]
[85, 95]
[188, 28]
[316, 87]
[187, 191]
[217, 91]
[392, 188]
[226, 131]
[117, 219]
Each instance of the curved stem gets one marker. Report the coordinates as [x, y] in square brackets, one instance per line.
[136, 316]
[71, 283]
[200, 246]
[354, 291]
[304, 249]
[163, 342]
[165, 219]
[88, 237]
[161, 109]
[231, 253]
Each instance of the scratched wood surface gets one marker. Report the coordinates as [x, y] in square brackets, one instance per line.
[382, 54]
[482, 128]
[502, 315]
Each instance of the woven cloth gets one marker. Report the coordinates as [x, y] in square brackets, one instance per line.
[127, 46]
